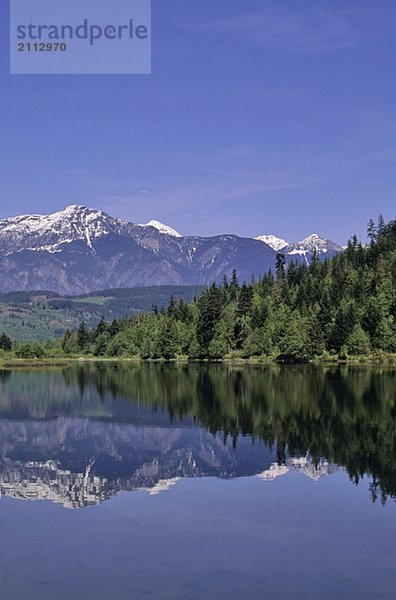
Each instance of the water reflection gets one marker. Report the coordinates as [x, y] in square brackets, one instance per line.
[80, 435]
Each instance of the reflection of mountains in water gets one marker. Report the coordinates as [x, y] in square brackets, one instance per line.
[79, 462]
[299, 464]
[119, 419]
[48, 481]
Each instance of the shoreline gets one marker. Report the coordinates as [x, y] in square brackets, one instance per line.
[40, 363]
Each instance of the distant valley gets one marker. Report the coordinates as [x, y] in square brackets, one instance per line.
[45, 315]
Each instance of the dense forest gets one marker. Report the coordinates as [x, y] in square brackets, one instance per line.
[342, 307]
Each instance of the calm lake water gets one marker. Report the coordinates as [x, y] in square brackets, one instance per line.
[198, 482]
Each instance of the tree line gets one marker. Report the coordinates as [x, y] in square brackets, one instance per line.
[345, 306]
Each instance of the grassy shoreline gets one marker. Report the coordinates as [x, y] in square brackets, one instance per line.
[42, 363]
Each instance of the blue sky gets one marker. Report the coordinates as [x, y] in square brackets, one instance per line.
[259, 117]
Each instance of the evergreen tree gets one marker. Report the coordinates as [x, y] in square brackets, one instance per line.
[344, 323]
[293, 343]
[371, 231]
[233, 287]
[69, 343]
[101, 327]
[358, 341]
[209, 313]
[245, 300]
[83, 336]
[5, 342]
[168, 339]
[280, 263]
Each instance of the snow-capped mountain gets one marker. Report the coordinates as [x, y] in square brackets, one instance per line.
[162, 228]
[274, 242]
[51, 232]
[304, 250]
[315, 242]
[79, 250]
[300, 464]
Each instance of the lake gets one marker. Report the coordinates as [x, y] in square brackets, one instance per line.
[198, 482]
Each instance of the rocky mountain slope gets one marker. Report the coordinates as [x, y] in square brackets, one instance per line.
[79, 250]
[304, 251]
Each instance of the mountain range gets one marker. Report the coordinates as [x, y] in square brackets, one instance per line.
[80, 250]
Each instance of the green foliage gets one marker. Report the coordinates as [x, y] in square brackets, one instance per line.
[5, 342]
[83, 337]
[345, 306]
[69, 343]
[343, 413]
[358, 341]
[294, 339]
[30, 349]
[209, 313]
[45, 315]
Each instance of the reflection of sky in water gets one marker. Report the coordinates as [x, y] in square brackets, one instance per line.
[205, 538]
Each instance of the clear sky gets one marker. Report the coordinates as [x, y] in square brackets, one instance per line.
[260, 116]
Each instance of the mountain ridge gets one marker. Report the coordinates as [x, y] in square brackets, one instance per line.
[80, 250]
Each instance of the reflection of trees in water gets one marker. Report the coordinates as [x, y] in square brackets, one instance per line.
[4, 375]
[346, 414]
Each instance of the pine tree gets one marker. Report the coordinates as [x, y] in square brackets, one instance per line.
[5, 343]
[69, 343]
[358, 341]
[209, 314]
[233, 287]
[101, 327]
[245, 300]
[344, 323]
[371, 231]
[172, 306]
[280, 262]
[83, 336]
[168, 339]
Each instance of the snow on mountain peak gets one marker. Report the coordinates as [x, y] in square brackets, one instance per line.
[49, 232]
[308, 245]
[162, 228]
[75, 208]
[315, 242]
[274, 242]
[306, 248]
[313, 238]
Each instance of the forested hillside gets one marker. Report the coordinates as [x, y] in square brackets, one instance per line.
[344, 306]
[42, 315]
